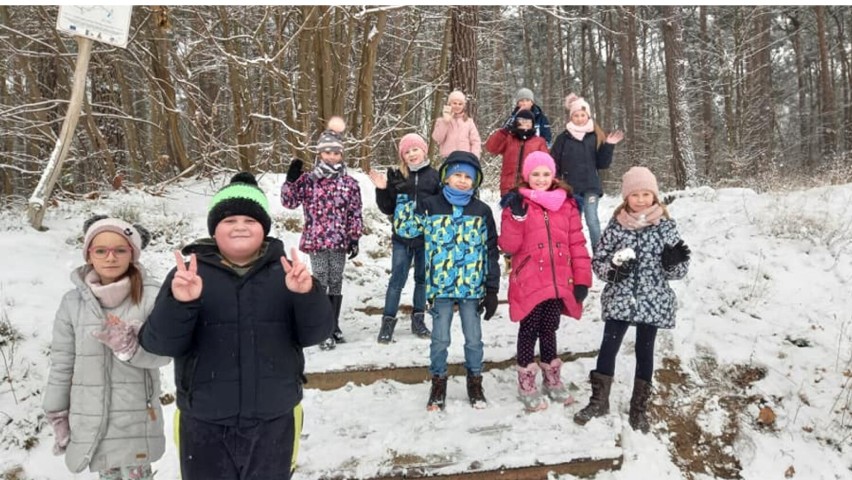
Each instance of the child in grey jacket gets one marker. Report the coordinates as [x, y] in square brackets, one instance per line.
[102, 395]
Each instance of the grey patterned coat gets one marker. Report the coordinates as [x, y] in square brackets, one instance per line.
[115, 413]
[645, 296]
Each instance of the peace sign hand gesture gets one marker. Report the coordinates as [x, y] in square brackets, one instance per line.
[186, 284]
[297, 278]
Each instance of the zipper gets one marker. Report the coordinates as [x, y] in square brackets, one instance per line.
[520, 163]
[550, 249]
[416, 181]
[149, 393]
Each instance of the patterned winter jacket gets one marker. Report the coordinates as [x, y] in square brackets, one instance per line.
[461, 244]
[549, 257]
[645, 296]
[426, 183]
[115, 414]
[514, 151]
[578, 162]
[332, 209]
[457, 134]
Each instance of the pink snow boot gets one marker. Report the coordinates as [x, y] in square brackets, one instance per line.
[528, 391]
[552, 385]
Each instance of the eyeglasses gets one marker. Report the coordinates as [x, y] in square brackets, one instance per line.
[102, 252]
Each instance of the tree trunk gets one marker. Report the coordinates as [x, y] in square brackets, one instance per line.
[827, 120]
[372, 36]
[463, 71]
[240, 98]
[706, 94]
[683, 158]
[628, 67]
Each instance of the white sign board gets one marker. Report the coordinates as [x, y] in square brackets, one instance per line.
[103, 23]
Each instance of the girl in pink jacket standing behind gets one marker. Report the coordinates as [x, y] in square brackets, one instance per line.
[551, 273]
[455, 130]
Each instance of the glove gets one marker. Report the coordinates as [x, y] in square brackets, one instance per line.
[618, 273]
[580, 292]
[61, 430]
[353, 249]
[120, 337]
[675, 255]
[489, 304]
[515, 202]
[398, 182]
[295, 171]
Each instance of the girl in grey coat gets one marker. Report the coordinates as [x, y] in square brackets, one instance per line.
[639, 252]
[102, 395]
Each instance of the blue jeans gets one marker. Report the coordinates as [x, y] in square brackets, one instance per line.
[590, 214]
[400, 263]
[442, 316]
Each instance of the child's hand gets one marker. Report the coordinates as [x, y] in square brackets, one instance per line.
[378, 179]
[398, 182]
[297, 278]
[674, 255]
[186, 284]
[515, 202]
[119, 336]
[615, 137]
[618, 273]
[447, 113]
[580, 292]
[489, 304]
[61, 430]
[294, 171]
[353, 249]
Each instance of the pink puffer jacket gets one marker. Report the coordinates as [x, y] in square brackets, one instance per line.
[549, 257]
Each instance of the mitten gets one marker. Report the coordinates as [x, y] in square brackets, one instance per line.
[515, 202]
[618, 273]
[398, 182]
[120, 337]
[61, 430]
[580, 292]
[674, 255]
[353, 249]
[294, 171]
[489, 304]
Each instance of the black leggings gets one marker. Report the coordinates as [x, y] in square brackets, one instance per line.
[646, 336]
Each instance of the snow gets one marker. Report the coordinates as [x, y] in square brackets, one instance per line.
[768, 291]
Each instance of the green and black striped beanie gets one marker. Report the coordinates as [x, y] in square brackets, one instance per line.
[240, 197]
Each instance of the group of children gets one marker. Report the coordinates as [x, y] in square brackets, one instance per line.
[237, 314]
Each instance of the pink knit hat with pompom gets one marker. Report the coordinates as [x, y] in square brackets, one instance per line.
[636, 179]
[573, 103]
[537, 159]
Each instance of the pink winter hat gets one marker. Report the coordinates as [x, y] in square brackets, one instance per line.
[410, 141]
[537, 159]
[573, 103]
[137, 236]
[457, 95]
[636, 179]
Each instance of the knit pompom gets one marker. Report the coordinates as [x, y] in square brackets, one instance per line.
[336, 124]
[569, 100]
[88, 223]
[244, 177]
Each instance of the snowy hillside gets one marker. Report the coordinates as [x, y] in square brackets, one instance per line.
[764, 330]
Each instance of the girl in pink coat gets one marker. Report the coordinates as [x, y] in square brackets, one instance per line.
[551, 273]
[455, 129]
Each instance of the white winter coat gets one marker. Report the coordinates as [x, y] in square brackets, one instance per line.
[115, 414]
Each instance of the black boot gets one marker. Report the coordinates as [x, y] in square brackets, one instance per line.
[438, 394]
[386, 332]
[638, 416]
[418, 325]
[599, 403]
[336, 302]
[474, 391]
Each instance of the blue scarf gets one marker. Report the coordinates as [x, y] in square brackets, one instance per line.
[459, 198]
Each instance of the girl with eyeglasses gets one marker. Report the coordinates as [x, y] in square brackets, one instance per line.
[102, 395]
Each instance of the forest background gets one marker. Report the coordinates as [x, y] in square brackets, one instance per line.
[756, 96]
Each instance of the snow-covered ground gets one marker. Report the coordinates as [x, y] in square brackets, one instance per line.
[764, 321]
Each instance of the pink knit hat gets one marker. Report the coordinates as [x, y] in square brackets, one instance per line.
[537, 159]
[636, 179]
[137, 236]
[573, 103]
[457, 95]
[410, 141]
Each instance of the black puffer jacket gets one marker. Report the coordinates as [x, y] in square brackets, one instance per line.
[426, 183]
[578, 162]
[238, 348]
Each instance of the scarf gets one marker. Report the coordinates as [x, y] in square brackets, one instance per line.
[549, 199]
[327, 170]
[523, 134]
[638, 220]
[459, 198]
[419, 166]
[109, 296]
[579, 132]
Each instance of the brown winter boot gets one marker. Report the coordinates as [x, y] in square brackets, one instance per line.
[438, 394]
[474, 391]
[638, 416]
[599, 403]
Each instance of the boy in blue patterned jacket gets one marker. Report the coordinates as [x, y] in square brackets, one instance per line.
[461, 268]
[331, 200]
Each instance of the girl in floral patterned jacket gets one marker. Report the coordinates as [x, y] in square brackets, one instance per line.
[331, 200]
[639, 252]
